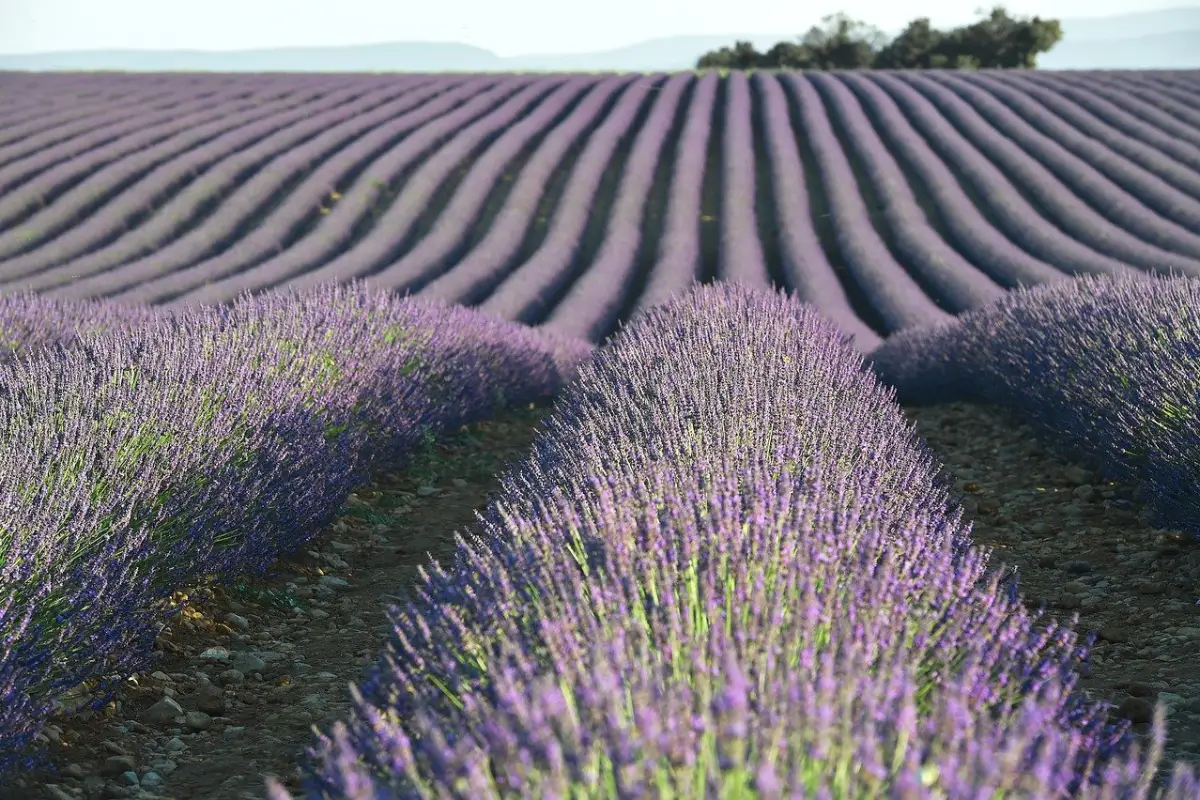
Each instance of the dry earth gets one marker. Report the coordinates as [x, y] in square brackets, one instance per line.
[252, 666]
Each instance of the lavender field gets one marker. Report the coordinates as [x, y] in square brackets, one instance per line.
[727, 567]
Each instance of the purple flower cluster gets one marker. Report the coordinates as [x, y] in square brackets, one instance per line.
[150, 451]
[1107, 368]
[728, 567]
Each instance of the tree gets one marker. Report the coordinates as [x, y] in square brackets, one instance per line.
[915, 47]
[741, 56]
[843, 43]
[997, 41]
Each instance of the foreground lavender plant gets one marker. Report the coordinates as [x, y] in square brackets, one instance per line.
[727, 569]
[1106, 369]
[145, 454]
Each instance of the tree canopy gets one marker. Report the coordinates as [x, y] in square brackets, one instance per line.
[997, 41]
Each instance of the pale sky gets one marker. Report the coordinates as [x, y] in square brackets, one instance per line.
[506, 27]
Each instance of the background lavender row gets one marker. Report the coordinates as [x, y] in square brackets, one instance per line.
[536, 283]
[1014, 216]
[286, 253]
[913, 187]
[1135, 199]
[677, 262]
[802, 259]
[741, 254]
[594, 303]
[222, 159]
[58, 172]
[428, 258]
[897, 297]
[484, 266]
[1102, 227]
[936, 263]
[970, 230]
[1124, 133]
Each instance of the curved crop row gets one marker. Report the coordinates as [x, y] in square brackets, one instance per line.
[1087, 141]
[274, 252]
[677, 262]
[899, 299]
[483, 267]
[1108, 368]
[145, 178]
[1149, 104]
[533, 285]
[593, 303]
[245, 180]
[62, 125]
[375, 253]
[740, 257]
[1131, 135]
[803, 260]
[454, 223]
[892, 200]
[1094, 216]
[60, 168]
[961, 283]
[1157, 96]
[974, 234]
[284, 402]
[1020, 220]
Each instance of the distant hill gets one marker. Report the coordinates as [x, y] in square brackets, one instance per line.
[1165, 39]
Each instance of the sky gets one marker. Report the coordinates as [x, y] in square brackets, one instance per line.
[505, 27]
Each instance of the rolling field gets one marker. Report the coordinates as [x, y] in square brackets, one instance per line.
[888, 200]
[227, 301]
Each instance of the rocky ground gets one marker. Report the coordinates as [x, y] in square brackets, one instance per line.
[252, 666]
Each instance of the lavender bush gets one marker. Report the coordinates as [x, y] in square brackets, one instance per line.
[727, 568]
[209, 443]
[1106, 368]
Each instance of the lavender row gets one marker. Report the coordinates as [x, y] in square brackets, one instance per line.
[126, 188]
[970, 230]
[57, 169]
[350, 197]
[435, 150]
[939, 266]
[101, 120]
[30, 322]
[728, 566]
[264, 258]
[375, 254]
[1172, 120]
[1021, 222]
[677, 262]
[1105, 368]
[1119, 131]
[479, 270]
[740, 255]
[454, 224]
[147, 267]
[535, 284]
[895, 295]
[593, 304]
[802, 258]
[1158, 212]
[1097, 226]
[1183, 118]
[208, 445]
